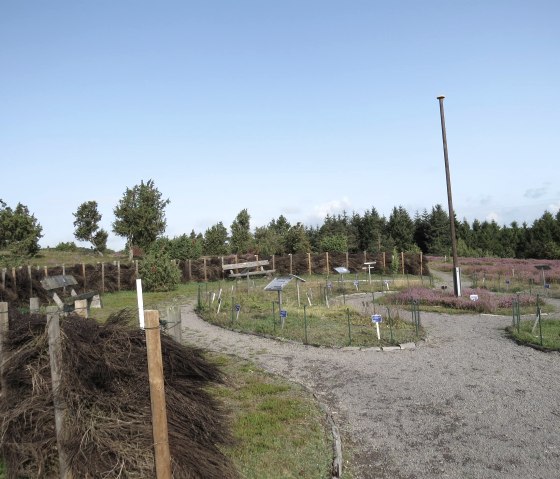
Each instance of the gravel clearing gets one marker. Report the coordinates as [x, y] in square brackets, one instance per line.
[466, 403]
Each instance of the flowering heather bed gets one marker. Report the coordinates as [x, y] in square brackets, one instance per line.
[493, 268]
[486, 303]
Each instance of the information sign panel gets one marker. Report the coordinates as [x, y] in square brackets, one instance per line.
[341, 270]
[277, 284]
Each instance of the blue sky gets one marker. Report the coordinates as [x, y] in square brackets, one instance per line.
[300, 108]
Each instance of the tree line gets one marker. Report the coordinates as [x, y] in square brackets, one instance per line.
[140, 219]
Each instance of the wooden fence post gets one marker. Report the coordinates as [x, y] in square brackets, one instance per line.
[157, 395]
[46, 270]
[15, 280]
[291, 272]
[102, 277]
[34, 305]
[81, 308]
[327, 267]
[347, 262]
[384, 262]
[309, 263]
[118, 275]
[273, 262]
[421, 268]
[84, 274]
[4, 278]
[190, 269]
[30, 281]
[205, 275]
[55, 354]
[402, 261]
[4, 327]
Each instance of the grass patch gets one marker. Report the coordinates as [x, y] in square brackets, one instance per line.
[113, 302]
[335, 325]
[319, 311]
[550, 334]
[280, 431]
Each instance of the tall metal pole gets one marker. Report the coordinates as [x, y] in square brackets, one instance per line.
[456, 271]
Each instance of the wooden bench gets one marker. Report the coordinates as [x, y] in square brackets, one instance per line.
[249, 268]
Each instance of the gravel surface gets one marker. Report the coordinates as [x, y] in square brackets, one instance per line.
[466, 403]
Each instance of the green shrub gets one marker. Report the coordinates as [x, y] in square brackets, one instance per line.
[159, 272]
[68, 246]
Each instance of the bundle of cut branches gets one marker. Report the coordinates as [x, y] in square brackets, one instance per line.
[105, 387]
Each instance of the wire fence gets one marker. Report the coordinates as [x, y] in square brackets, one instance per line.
[321, 318]
[538, 331]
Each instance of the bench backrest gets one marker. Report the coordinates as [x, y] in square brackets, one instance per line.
[248, 264]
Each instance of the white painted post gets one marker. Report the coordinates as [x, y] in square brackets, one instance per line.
[140, 302]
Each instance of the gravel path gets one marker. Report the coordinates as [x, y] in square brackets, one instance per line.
[466, 403]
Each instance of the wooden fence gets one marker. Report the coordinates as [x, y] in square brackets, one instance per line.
[24, 282]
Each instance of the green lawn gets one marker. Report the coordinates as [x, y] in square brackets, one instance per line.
[280, 432]
[549, 330]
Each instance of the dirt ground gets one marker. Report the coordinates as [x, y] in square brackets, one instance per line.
[466, 403]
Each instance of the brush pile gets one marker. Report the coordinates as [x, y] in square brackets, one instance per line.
[108, 414]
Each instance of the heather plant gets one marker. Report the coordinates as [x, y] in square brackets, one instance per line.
[485, 302]
[492, 269]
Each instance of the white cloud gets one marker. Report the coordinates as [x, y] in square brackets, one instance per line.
[554, 207]
[493, 216]
[332, 207]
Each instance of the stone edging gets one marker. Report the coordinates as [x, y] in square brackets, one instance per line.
[400, 347]
[336, 468]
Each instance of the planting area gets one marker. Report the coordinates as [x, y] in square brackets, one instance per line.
[467, 402]
[318, 312]
[507, 275]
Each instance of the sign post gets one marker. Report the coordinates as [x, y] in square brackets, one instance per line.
[298, 279]
[283, 316]
[376, 319]
[277, 284]
[369, 266]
